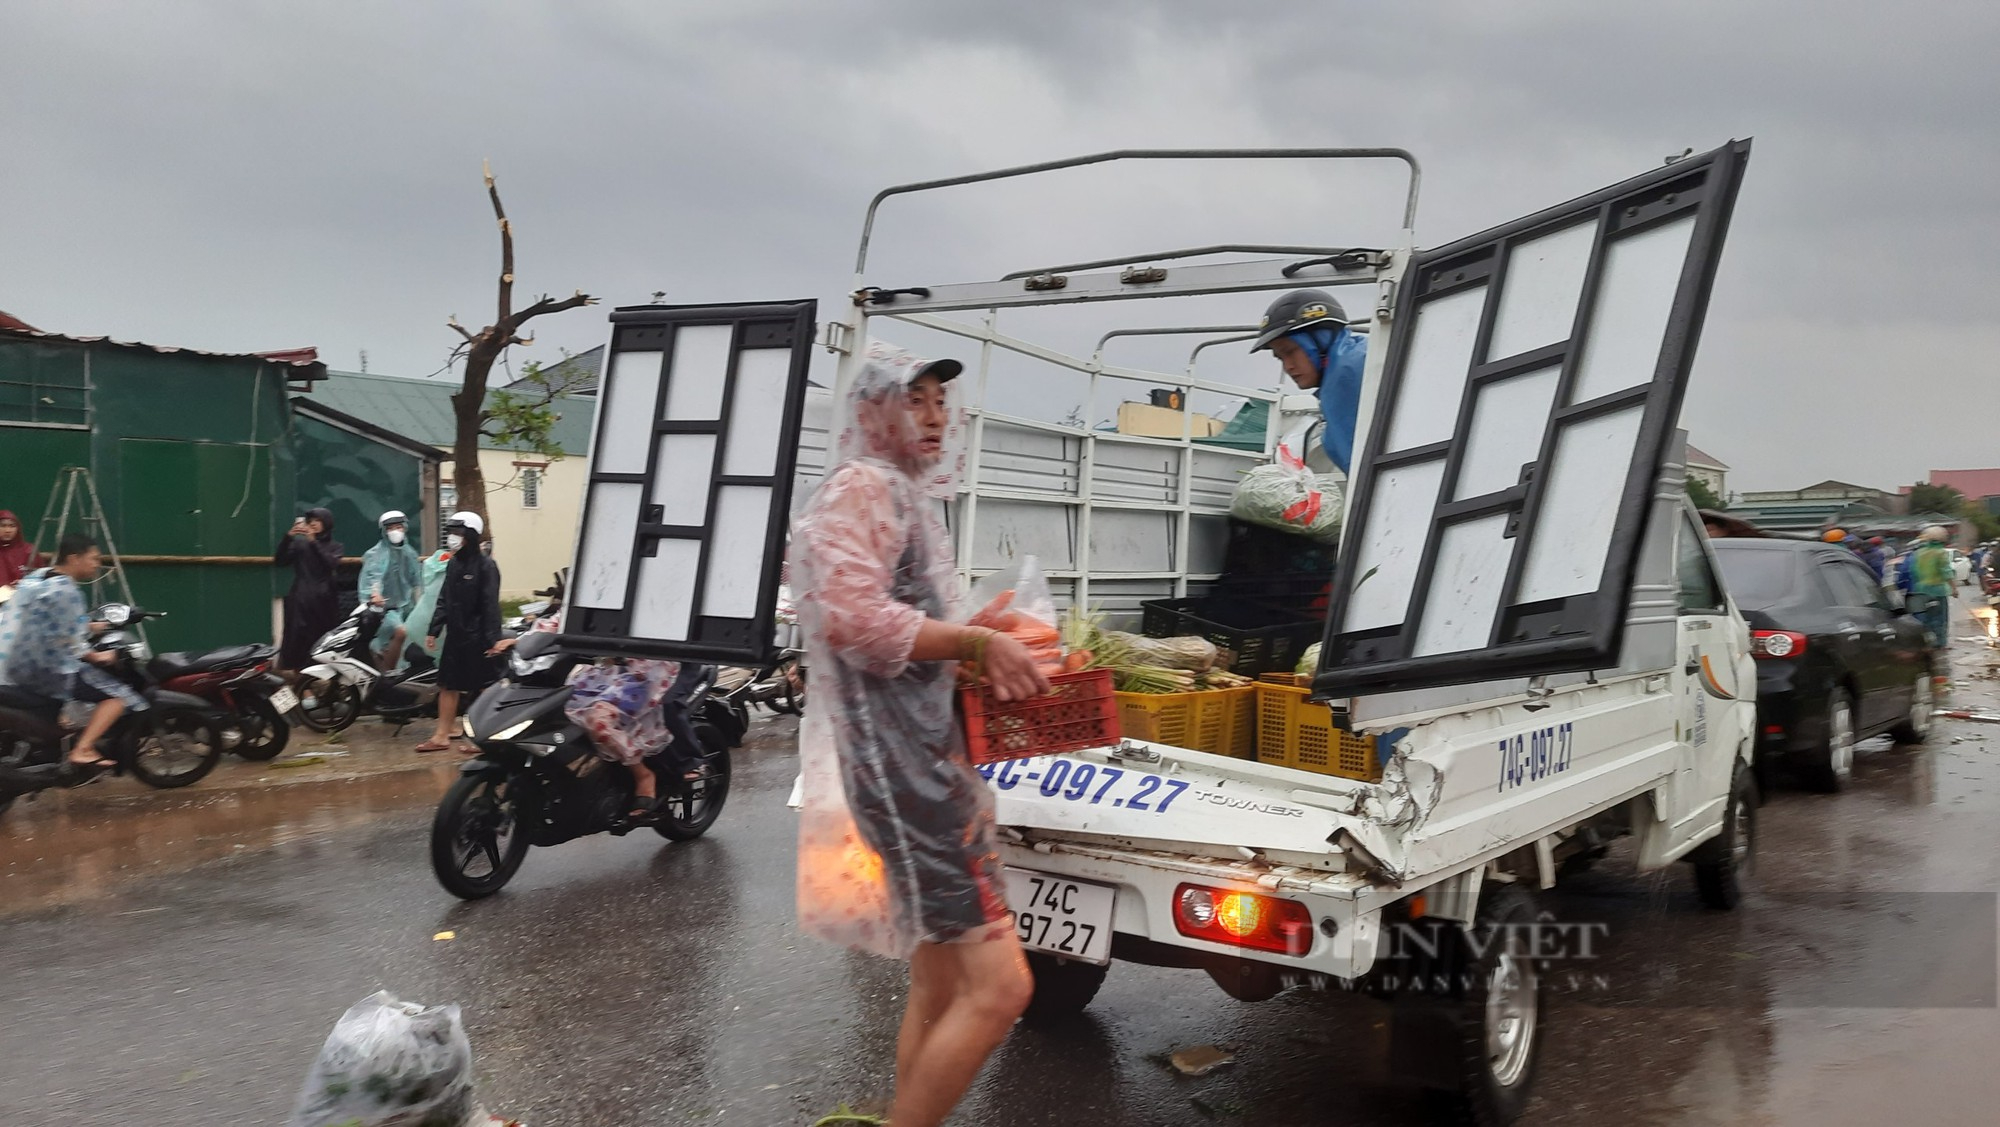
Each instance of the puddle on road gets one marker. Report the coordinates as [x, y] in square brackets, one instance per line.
[66, 854]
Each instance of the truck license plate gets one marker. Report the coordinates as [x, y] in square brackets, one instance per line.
[1060, 916]
[284, 700]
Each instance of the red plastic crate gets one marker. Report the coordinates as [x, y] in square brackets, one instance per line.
[1079, 712]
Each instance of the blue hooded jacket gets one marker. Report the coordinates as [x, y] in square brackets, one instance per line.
[1340, 355]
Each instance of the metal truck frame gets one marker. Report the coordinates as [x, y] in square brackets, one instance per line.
[1490, 787]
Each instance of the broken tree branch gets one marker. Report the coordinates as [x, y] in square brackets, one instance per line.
[547, 305]
[506, 248]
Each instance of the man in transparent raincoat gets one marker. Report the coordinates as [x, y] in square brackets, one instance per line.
[896, 835]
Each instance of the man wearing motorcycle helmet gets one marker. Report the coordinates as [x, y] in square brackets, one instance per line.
[392, 579]
[1307, 331]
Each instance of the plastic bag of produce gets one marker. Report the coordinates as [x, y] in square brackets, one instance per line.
[1287, 496]
[390, 1063]
[1017, 601]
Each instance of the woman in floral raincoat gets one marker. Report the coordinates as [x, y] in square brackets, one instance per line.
[896, 836]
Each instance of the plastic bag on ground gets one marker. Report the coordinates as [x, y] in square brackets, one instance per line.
[1287, 496]
[391, 1063]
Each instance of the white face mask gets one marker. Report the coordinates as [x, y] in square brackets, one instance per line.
[394, 536]
[454, 541]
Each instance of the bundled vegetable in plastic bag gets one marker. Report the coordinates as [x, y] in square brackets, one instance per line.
[390, 1063]
[1017, 602]
[1287, 496]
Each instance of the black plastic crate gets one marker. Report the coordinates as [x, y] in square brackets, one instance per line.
[1305, 589]
[1265, 638]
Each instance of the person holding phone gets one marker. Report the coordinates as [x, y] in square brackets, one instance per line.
[311, 606]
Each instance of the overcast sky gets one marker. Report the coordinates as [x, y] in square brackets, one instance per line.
[239, 176]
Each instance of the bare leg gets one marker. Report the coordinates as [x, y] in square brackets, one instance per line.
[388, 658]
[932, 980]
[990, 986]
[102, 717]
[447, 725]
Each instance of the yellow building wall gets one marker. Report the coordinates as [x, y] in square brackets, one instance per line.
[531, 545]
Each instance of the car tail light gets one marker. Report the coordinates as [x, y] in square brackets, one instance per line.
[1243, 919]
[1777, 643]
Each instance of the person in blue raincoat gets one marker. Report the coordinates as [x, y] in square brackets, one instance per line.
[391, 578]
[1307, 331]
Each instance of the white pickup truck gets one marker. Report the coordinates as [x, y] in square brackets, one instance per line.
[1525, 624]
[1499, 772]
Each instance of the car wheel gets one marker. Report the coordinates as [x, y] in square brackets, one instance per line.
[1833, 762]
[1916, 728]
[1722, 865]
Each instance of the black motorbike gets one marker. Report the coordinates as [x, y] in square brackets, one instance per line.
[172, 743]
[537, 780]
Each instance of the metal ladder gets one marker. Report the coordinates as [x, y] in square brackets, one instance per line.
[75, 493]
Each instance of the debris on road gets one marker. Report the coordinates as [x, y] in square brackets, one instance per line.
[391, 1063]
[1201, 1060]
[442, 936]
[1967, 714]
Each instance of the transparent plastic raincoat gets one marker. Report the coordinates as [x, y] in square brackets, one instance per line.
[896, 832]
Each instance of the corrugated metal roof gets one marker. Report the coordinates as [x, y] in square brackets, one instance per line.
[306, 360]
[580, 373]
[1696, 456]
[421, 409]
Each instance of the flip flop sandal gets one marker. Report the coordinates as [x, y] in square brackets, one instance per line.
[434, 745]
[98, 764]
[846, 1118]
[644, 811]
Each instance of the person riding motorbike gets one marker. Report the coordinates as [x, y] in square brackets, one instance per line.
[623, 704]
[1307, 331]
[392, 578]
[45, 648]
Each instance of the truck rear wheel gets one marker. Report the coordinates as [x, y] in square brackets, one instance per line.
[1063, 987]
[1476, 1043]
[1722, 865]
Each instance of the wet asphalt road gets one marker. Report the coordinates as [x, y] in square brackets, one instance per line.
[176, 959]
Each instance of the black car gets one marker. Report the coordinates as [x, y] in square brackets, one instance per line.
[1838, 658]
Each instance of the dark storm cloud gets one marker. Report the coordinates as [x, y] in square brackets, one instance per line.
[235, 176]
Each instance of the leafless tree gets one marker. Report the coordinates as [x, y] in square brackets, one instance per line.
[475, 417]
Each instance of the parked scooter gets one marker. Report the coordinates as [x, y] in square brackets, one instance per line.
[238, 681]
[537, 780]
[344, 681]
[173, 743]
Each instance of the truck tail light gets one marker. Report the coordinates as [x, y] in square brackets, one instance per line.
[1777, 643]
[1243, 919]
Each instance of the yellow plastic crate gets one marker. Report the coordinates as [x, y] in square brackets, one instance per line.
[1221, 721]
[1292, 731]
